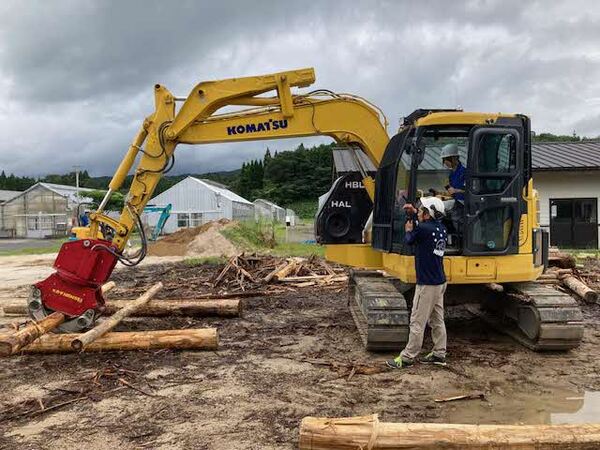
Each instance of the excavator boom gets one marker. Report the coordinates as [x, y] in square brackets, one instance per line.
[82, 266]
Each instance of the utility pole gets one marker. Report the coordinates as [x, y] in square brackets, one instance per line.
[77, 169]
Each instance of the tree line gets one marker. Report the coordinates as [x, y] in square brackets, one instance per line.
[286, 177]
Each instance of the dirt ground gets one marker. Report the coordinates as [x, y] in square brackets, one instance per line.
[294, 353]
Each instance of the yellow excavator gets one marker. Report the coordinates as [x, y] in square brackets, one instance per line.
[497, 241]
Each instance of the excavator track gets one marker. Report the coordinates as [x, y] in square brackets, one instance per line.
[379, 310]
[537, 316]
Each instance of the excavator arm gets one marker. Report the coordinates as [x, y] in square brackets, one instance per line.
[82, 266]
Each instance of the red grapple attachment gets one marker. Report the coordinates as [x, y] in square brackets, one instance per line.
[82, 267]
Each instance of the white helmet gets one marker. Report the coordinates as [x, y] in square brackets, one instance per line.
[433, 205]
[449, 150]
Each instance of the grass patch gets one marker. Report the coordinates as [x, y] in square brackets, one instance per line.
[208, 260]
[52, 247]
[299, 249]
[258, 237]
[251, 235]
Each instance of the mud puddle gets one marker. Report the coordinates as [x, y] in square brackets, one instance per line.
[524, 407]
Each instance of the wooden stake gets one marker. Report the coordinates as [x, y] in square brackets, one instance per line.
[191, 339]
[369, 434]
[580, 289]
[11, 343]
[103, 328]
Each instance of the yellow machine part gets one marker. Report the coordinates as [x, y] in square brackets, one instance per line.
[84, 233]
[459, 269]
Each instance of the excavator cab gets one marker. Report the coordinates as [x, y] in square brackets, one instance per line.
[485, 221]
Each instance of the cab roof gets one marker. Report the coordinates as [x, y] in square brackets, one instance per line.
[425, 117]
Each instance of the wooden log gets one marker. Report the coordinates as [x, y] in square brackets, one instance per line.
[228, 307]
[333, 278]
[158, 308]
[287, 270]
[580, 288]
[272, 274]
[190, 339]
[110, 323]
[369, 434]
[559, 272]
[107, 287]
[11, 343]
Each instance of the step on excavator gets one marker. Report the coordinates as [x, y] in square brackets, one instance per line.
[496, 237]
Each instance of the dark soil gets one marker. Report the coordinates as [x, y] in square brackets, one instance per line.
[294, 353]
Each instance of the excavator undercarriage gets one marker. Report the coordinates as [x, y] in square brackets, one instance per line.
[536, 316]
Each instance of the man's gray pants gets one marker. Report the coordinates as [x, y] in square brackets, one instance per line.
[428, 306]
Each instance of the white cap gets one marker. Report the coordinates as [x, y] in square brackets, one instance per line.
[433, 204]
[449, 150]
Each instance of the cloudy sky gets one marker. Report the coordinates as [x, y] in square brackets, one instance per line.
[76, 77]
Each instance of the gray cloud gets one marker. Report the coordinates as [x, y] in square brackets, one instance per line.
[76, 77]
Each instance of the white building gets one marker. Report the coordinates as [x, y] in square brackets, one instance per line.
[4, 197]
[43, 210]
[567, 177]
[197, 201]
[266, 210]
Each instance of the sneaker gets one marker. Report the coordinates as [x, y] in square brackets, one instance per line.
[398, 363]
[432, 359]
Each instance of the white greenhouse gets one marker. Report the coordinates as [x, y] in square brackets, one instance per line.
[267, 210]
[195, 202]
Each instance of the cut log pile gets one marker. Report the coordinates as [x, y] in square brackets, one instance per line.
[563, 271]
[184, 293]
[254, 272]
[34, 337]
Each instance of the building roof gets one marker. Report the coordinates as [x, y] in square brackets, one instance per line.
[7, 195]
[583, 155]
[546, 156]
[349, 159]
[220, 189]
[68, 192]
[64, 190]
[268, 203]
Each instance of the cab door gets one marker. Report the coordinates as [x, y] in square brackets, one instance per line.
[494, 184]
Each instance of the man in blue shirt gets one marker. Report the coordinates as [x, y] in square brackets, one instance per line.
[451, 160]
[429, 237]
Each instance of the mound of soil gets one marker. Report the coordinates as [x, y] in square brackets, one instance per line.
[202, 241]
